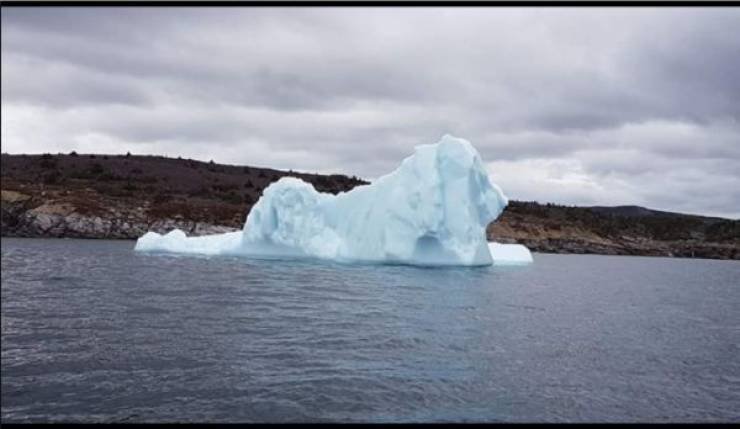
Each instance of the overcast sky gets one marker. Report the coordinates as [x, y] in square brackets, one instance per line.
[580, 106]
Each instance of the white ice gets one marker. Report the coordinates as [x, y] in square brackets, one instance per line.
[509, 254]
[432, 210]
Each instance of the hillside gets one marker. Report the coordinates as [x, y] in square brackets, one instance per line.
[623, 230]
[123, 196]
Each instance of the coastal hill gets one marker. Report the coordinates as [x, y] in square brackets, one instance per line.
[123, 196]
[621, 230]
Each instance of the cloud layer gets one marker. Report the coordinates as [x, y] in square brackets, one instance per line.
[576, 106]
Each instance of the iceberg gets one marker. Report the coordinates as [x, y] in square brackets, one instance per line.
[432, 210]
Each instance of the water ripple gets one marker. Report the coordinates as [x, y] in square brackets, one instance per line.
[93, 332]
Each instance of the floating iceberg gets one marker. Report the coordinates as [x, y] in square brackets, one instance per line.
[432, 210]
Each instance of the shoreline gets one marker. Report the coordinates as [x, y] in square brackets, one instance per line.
[123, 197]
[533, 251]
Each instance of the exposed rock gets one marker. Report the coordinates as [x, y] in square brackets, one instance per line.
[13, 197]
[21, 217]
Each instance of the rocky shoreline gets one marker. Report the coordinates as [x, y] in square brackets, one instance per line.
[22, 218]
[576, 230]
[631, 247]
[123, 197]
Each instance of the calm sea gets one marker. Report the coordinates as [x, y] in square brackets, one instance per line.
[93, 332]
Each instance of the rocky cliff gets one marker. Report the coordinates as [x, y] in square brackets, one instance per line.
[51, 214]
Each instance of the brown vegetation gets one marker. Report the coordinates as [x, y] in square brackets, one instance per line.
[166, 187]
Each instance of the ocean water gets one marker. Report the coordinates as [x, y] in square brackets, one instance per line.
[93, 332]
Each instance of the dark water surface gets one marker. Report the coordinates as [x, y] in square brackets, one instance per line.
[92, 331]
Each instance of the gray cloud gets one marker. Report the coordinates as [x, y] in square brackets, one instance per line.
[578, 106]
